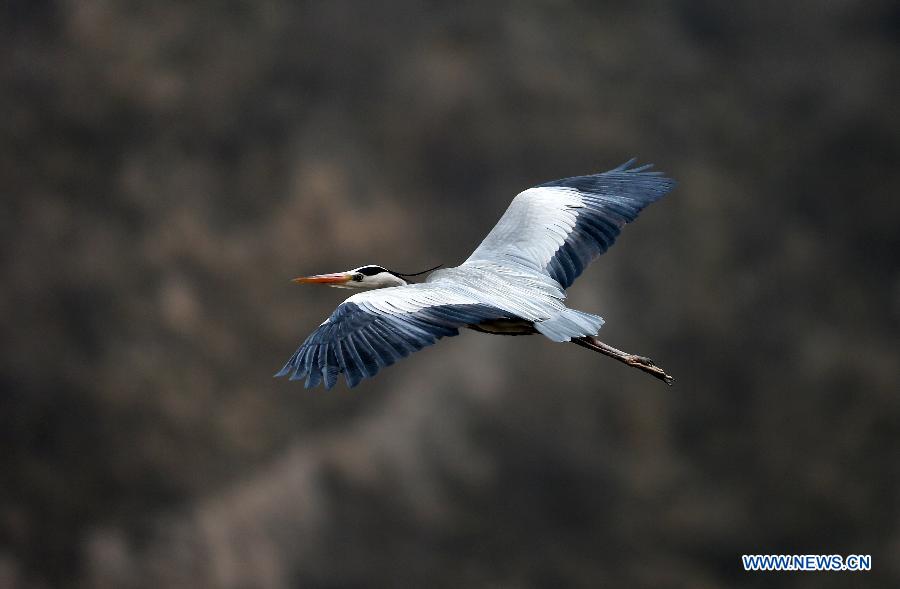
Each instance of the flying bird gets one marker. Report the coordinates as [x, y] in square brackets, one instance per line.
[514, 283]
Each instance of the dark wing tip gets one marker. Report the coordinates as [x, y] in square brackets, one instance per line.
[643, 169]
[627, 166]
[611, 200]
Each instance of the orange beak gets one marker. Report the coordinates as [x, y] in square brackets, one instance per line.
[337, 278]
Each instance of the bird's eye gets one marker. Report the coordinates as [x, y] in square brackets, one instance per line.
[358, 277]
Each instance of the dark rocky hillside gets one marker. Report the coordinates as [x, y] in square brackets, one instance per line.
[167, 167]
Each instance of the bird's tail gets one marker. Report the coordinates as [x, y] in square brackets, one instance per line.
[569, 324]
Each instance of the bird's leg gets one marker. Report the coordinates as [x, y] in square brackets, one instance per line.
[639, 362]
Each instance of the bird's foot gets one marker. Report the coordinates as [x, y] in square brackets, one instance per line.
[635, 360]
[647, 365]
[640, 362]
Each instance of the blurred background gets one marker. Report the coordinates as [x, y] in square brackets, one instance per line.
[167, 167]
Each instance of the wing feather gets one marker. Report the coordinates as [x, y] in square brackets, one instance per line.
[559, 227]
[372, 330]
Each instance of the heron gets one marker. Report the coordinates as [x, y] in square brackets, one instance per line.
[514, 283]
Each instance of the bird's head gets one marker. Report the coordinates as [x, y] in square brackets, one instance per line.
[366, 277]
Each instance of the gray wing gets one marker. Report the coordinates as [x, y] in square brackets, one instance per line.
[374, 329]
[559, 227]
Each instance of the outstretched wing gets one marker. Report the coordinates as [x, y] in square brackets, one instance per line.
[374, 329]
[559, 227]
